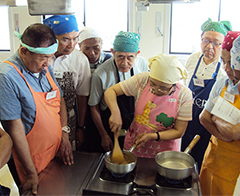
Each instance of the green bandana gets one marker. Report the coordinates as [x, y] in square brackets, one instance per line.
[40, 50]
[221, 26]
[126, 42]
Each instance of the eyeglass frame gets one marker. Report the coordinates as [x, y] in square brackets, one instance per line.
[159, 89]
[212, 42]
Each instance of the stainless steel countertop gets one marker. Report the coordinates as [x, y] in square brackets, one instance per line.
[59, 179]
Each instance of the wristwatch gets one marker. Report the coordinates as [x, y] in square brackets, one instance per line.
[66, 129]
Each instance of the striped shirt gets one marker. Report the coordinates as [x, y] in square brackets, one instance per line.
[204, 71]
[135, 85]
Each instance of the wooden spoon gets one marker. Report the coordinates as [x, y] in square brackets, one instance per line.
[117, 154]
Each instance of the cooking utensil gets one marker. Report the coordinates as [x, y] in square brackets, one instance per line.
[174, 164]
[132, 148]
[117, 154]
[134, 144]
[120, 168]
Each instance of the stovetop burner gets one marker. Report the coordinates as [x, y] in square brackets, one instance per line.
[165, 182]
[136, 189]
[106, 175]
[145, 175]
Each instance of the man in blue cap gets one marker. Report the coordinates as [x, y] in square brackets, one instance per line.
[72, 71]
[32, 108]
[124, 64]
[204, 68]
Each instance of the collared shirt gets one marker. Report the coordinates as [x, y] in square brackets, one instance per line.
[78, 64]
[105, 76]
[217, 89]
[103, 57]
[204, 71]
[16, 100]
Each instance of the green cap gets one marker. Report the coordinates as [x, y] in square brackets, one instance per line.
[126, 42]
[220, 26]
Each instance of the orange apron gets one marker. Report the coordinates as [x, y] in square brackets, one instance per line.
[45, 136]
[221, 164]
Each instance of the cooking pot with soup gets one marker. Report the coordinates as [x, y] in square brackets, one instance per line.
[127, 166]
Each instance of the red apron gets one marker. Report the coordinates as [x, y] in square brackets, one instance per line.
[153, 113]
[45, 136]
[221, 163]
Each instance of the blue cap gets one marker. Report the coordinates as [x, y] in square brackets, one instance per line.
[62, 24]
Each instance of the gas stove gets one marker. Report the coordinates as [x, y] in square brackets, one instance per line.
[143, 180]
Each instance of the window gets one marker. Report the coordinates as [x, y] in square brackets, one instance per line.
[108, 17]
[187, 19]
[98, 15]
[4, 33]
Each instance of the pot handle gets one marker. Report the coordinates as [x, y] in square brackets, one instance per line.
[132, 147]
[192, 144]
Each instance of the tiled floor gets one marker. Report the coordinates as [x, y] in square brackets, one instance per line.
[7, 180]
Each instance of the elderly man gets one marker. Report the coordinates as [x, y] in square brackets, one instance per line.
[90, 43]
[124, 64]
[72, 71]
[204, 68]
[220, 168]
[32, 109]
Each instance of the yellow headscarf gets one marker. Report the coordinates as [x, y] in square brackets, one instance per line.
[167, 69]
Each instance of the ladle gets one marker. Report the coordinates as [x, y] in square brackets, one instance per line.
[117, 154]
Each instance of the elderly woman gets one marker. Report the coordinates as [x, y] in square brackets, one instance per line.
[163, 107]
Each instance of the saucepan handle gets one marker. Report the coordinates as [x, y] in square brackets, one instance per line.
[192, 144]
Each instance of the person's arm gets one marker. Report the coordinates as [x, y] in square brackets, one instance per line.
[81, 109]
[5, 147]
[206, 120]
[110, 96]
[176, 132]
[227, 130]
[65, 148]
[96, 116]
[16, 130]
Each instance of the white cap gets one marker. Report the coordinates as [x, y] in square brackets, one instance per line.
[167, 69]
[235, 54]
[87, 33]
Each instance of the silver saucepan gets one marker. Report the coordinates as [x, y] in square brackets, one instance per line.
[174, 164]
[121, 169]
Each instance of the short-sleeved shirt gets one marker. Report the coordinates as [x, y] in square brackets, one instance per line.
[204, 71]
[217, 89]
[103, 57]
[105, 76]
[77, 63]
[136, 84]
[16, 100]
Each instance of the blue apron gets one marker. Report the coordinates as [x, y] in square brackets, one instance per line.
[200, 96]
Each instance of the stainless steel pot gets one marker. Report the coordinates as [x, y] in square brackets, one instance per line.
[174, 164]
[120, 169]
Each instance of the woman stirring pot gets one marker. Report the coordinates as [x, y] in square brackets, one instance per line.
[163, 107]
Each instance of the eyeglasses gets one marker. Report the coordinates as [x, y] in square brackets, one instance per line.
[161, 89]
[214, 43]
